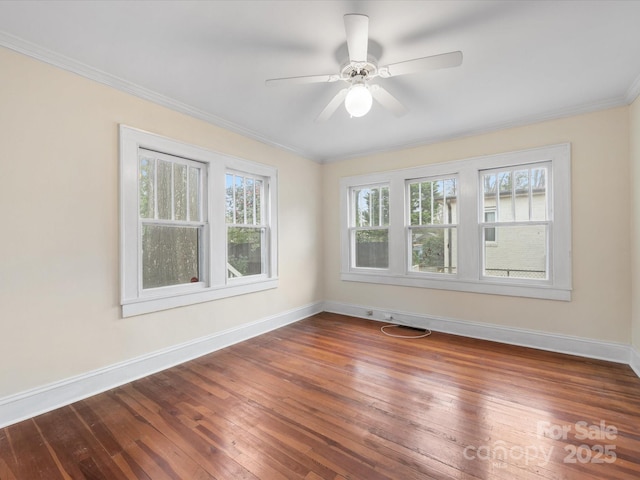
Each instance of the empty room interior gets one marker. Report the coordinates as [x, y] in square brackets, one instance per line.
[320, 240]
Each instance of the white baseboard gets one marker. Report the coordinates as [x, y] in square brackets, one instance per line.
[22, 406]
[584, 347]
[634, 362]
[28, 404]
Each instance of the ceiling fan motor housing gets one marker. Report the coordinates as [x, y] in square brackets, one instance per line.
[364, 70]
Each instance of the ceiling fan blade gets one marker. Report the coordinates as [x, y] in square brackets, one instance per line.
[388, 101]
[332, 106]
[357, 28]
[434, 62]
[302, 80]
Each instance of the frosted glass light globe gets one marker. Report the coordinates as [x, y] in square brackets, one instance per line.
[358, 101]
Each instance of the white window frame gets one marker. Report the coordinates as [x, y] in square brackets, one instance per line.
[497, 223]
[353, 229]
[264, 231]
[202, 225]
[213, 283]
[469, 276]
[409, 227]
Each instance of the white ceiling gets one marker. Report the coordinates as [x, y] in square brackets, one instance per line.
[524, 61]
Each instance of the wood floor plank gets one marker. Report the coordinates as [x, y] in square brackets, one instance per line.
[24, 452]
[331, 397]
[75, 447]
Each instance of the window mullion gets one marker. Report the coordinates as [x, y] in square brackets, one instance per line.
[397, 221]
[469, 225]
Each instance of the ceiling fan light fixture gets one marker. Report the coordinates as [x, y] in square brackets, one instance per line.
[358, 100]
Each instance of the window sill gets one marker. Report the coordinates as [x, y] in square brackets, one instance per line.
[148, 305]
[529, 290]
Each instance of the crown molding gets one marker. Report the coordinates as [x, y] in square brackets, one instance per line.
[518, 122]
[633, 92]
[61, 61]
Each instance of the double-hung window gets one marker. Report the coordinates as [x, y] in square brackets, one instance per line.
[431, 226]
[173, 220]
[498, 224]
[195, 225]
[518, 200]
[369, 230]
[247, 230]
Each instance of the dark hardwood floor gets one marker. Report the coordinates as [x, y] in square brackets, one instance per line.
[331, 397]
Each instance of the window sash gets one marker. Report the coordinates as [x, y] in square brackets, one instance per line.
[378, 215]
[449, 186]
[153, 217]
[380, 259]
[449, 253]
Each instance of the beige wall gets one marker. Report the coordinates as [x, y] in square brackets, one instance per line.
[634, 115]
[59, 286]
[600, 308]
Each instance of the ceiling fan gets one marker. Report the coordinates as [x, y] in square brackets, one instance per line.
[362, 68]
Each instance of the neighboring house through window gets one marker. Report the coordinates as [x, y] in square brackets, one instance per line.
[497, 224]
[431, 226]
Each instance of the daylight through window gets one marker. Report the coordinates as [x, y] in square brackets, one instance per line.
[497, 224]
[195, 225]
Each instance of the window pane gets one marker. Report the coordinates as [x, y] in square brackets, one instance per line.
[362, 217]
[433, 203]
[239, 200]
[180, 191]
[490, 232]
[489, 187]
[169, 255]
[451, 210]
[229, 198]
[249, 200]
[426, 217]
[521, 178]
[374, 207]
[450, 188]
[522, 203]
[372, 248]
[433, 250]
[521, 252]
[146, 187]
[385, 206]
[164, 190]
[414, 204]
[438, 202]
[505, 204]
[539, 194]
[259, 189]
[194, 194]
[244, 251]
